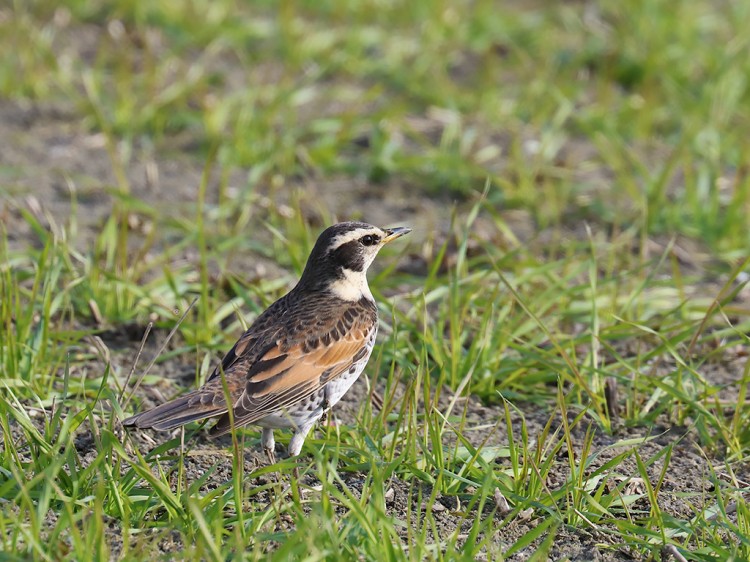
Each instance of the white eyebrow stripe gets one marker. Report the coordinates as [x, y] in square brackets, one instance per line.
[354, 235]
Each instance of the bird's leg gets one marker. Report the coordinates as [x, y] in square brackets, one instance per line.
[295, 445]
[269, 444]
[325, 406]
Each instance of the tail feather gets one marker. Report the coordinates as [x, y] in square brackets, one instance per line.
[175, 413]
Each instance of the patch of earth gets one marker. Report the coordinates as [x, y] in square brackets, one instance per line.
[46, 153]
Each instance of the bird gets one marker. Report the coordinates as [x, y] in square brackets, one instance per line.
[301, 355]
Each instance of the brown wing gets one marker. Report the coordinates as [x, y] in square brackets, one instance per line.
[210, 400]
[275, 364]
[292, 368]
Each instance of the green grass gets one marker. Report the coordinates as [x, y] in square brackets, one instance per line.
[588, 165]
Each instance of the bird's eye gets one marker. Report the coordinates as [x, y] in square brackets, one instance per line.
[369, 240]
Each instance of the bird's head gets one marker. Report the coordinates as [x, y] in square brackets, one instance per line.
[342, 255]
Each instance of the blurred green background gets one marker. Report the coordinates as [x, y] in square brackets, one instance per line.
[633, 114]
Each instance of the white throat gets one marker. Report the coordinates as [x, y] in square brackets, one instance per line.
[352, 287]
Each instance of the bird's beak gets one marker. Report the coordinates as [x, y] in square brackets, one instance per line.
[392, 233]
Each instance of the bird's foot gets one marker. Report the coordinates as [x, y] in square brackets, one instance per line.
[271, 454]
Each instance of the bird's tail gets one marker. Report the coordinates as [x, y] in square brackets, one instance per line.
[194, 406]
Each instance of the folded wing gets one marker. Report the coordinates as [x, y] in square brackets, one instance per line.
[287, 374]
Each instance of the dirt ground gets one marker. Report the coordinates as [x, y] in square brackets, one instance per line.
[44, 147]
